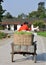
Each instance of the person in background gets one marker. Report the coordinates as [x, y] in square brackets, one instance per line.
[24, 27]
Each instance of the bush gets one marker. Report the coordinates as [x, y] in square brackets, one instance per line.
[2, 35]
[39, 23]
[1, 28]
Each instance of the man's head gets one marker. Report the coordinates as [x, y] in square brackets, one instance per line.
[25, 22]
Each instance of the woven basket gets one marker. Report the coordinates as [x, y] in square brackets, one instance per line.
[23, 39]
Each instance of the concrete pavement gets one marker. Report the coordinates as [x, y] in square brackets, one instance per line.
[5, 56]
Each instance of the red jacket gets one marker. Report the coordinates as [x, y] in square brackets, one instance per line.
[24, 27]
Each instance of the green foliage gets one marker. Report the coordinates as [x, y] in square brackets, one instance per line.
[1, 1]
[1, 28]
[32, 14]
[41, 6]
[41, 10]
[22, 16]
[2, 35]
[22, 32]
[1, 11]
[40, 13]
[39, 23]
[7, 15]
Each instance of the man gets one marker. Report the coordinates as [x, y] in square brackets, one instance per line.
[24, 27]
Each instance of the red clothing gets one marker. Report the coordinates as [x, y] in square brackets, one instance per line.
[24, 27]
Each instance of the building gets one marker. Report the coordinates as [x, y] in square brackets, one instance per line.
[14, 24]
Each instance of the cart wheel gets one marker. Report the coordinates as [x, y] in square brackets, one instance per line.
[34, 58]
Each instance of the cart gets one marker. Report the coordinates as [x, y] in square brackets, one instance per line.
[23, 44]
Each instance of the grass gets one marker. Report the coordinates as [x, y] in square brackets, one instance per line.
[42, 33]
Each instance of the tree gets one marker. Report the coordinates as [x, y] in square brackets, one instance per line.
[41, 9]
[1, 1]
[33, 14]
[22, 16]
[1, 11]
[41, 6]
[39, 23]
[8, 15]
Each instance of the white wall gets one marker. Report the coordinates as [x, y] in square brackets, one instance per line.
[7, 26]
[12, 27]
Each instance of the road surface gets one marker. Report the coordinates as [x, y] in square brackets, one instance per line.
[5, 50]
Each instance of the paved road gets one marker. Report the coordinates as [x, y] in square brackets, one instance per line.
[7, 31]
[5, 56]
[10, 32]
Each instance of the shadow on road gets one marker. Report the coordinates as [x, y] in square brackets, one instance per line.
[41, 57]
